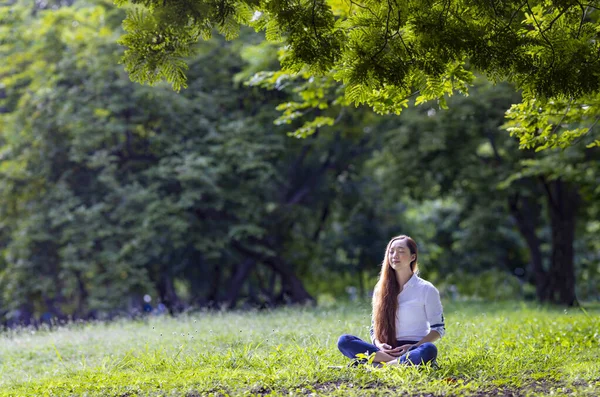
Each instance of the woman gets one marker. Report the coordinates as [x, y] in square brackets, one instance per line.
[407, 312]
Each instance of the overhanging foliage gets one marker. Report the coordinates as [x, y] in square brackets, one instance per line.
[384, 52]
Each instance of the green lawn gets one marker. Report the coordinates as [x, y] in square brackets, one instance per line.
[499, 349]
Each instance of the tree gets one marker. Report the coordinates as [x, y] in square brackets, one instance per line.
[112, 190]
[540, 124]
[463, 154]
[385, 52]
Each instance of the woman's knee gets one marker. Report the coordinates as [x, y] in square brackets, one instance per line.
[344, 340]
[428, 351]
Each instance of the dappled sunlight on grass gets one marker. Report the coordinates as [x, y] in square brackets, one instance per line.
[509, 347]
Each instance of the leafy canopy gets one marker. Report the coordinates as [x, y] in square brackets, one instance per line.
[547, 48]
[384, 52]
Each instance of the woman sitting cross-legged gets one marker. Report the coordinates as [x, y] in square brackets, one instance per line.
[407, 312]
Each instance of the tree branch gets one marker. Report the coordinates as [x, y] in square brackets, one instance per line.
[563, 116]
[313, 20]
[542, 34]
[387, 31]
[560, 14]
[363, 7]
[583, 15]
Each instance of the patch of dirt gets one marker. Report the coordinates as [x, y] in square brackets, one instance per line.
[215, 393]
[377, 388]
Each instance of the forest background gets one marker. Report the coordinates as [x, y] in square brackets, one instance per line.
[244, 191]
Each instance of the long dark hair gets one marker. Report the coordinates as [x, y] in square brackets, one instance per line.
[385, 297]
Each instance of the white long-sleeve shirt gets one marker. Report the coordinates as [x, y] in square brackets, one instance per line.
[419, 311]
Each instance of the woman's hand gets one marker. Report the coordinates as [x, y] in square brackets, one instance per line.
[404, 349]
[382, 346]
[394, 352]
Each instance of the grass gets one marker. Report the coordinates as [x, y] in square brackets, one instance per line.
[490, 349]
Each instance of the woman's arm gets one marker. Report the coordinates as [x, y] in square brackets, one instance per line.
[435, 312]
[432, 336]
[435, 318]
[375, 341]
[384, 347]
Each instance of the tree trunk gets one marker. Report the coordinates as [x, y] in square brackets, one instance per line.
[272, 285]
[290, 284]
[563, 201]
[213, 294]
[526, 214]
[82, 297]
[237, 282]
[167, 294]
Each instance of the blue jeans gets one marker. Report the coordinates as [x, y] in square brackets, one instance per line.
[350, 346]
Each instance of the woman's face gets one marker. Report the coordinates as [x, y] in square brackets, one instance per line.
[399, 256]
